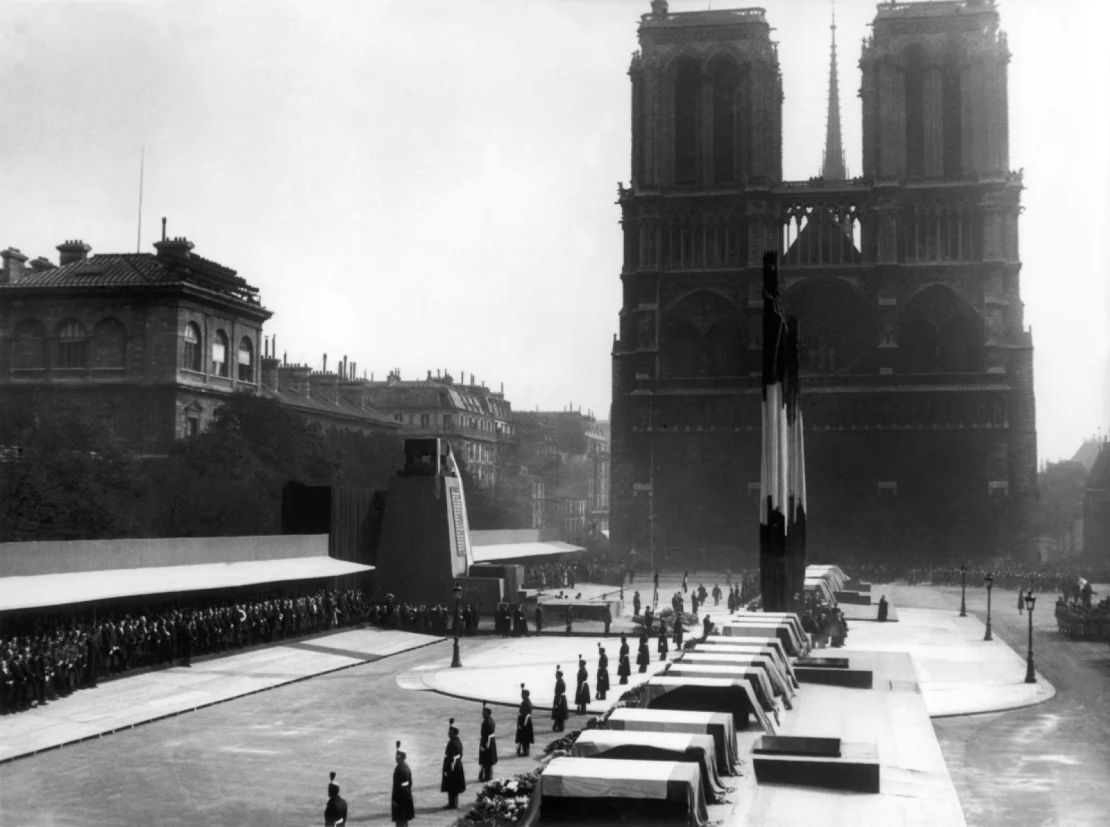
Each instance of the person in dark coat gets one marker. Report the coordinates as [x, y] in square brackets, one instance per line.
[602, 672]
[454, 779]
[538, 616]
[643, 657]
[402, 809]
[678, 632]
[706, 627]
[884, 609]
[649, 618]
[582, 693]
[662, 645]
[607, 619]
[685, 587]
[624, 666]
[525, 736]
[636, 603]
[487, 745]
[335, 813]
[559, 712]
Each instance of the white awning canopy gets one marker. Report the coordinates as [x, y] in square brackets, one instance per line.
[502, 552]
[41, 590]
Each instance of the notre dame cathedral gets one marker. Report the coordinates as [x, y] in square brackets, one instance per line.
[916, 366]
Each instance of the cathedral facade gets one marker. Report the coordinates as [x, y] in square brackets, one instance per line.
[916, 366]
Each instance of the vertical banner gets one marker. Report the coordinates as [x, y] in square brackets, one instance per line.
[782, 473]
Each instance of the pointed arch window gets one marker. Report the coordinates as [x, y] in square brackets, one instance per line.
[219, 354]
[191, 356]
[246, 360]
[687, 96]
[915, 111]
[73, 341]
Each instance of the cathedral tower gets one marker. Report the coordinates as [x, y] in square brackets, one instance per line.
[916, 367]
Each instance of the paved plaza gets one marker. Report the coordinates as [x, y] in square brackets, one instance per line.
[340, 701]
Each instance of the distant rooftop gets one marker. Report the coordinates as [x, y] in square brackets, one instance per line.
[933, 8]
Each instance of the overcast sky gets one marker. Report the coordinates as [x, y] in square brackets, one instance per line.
[431, 183]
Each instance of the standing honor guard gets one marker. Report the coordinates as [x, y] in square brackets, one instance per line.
[525, 736]
[487, 746]
[643, 657]
[454, 780]
[624, 666]
[636, 603]
[401, 810]
[582, 693]
[678, 632]
[662, 645]
[602, 672]
[559, 706]
[335, 813]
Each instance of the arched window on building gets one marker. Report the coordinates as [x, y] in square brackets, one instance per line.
[29, 347]
[191, 359]
[725, 76]
[952, 122]
[246, 360]
[915, 111]
[938, 332]
[109, 348]
[73, 345]
[687, 100]
[219, 354]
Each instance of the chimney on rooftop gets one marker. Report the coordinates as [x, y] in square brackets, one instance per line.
[12, 271]
[41, 264]
[173, 250]
[71, 251]
[325, 368]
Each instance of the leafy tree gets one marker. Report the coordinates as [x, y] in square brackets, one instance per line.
[63, 475]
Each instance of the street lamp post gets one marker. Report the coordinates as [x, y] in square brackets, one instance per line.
[990, 584]
[455, 662]
[963, 589]
[1030, 600]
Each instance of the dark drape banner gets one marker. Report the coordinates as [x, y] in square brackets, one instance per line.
[782, 476]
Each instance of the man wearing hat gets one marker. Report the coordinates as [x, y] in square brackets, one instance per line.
[602, 672]
[525, 736]
[559, 706]
[487, 745]
[402, 809]
[335, 813]
[582, 693]
[624, 665]
[454, 780]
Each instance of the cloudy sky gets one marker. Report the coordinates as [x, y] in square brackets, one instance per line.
[431, 183]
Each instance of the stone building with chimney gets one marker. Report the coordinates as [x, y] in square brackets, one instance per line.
[474, 419]
[151, 343]
[916, 364]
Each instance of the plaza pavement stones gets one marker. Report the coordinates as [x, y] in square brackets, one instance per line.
[127, 702]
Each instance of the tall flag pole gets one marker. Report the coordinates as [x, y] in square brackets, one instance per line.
[782, 477]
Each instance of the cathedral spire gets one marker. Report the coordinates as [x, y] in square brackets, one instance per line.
[832, 168]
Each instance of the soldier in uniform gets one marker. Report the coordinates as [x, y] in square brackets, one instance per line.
[559, 706]
[706, 627]
[335, 813]
[402, 809]
[678, 630]
[582, 693]
[624, 666]
[636, 603]
[487, 745]
[607, 619]
[525, 736]
[602, 672]
[643, 658]
[454, 779]
[539, 619]
[662, 645]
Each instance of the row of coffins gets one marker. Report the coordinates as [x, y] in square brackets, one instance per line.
[666, 761]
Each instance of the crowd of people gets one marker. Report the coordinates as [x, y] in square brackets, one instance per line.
[43, 659]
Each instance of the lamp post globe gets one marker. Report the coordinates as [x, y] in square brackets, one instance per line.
[455, 662]
[990, 584]
[963, 589]
[1030, 601]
